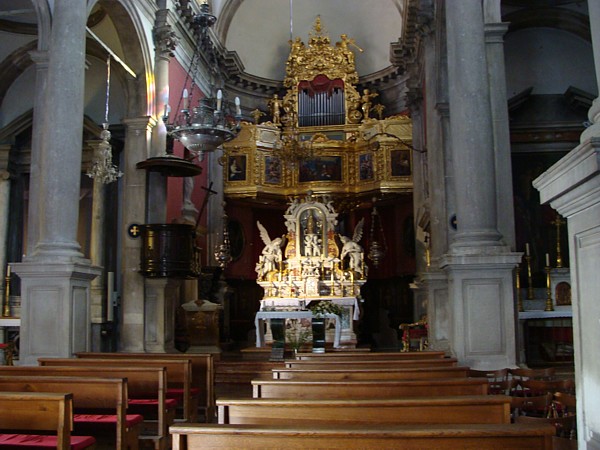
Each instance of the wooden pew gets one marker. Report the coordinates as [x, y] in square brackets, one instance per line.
[355, 389]
[142, 382]
[43, 413]
[370, 373]
[352, 364]
[365, 356]
[179, 376]
[232, 378]
[366, 412]
[98, 403]
[203, 373]
[405, 437]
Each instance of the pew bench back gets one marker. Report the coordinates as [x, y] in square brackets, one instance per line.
[363, 412]
[365, 356]
[352, 364]
[106, 395]
[406, 437]
[370, 389]
[203, 372]
[40, 412]
[371, 373]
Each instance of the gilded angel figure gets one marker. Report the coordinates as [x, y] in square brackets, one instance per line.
[352, 249]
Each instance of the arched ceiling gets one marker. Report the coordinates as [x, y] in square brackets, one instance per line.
[259, 30]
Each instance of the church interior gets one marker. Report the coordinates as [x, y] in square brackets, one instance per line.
[197, 177]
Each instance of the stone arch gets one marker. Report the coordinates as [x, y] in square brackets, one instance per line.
[561, 19]
[44, 23]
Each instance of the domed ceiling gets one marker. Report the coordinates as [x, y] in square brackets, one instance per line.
[259, 30]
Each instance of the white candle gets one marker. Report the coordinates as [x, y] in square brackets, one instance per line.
[238, 108]
[185, 99]
[8, 270]
[527, 249]
[110, 285]
[219, 99]
[547, 260]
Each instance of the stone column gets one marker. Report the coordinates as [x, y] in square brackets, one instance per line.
[4, 214]
[478, 264]
[55, 278]
[159, 317]
[572, 187]
[137, 142]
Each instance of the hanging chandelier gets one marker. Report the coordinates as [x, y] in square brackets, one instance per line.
[377, 249]
[214, 120]
[291, 149]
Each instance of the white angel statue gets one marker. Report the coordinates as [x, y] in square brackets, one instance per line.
[352, 249]
[271, 254]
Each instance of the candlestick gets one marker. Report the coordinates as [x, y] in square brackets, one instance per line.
[6, 306]
[549, 306]
[529, 278]
[518, 288]
[558, 222]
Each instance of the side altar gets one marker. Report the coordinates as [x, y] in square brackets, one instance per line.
[313, 263]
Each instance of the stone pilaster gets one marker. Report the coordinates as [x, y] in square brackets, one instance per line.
[4, 214]
[40, 58]
[137, 142]
[159, 313]
[494, 35]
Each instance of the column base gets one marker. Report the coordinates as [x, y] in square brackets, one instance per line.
[55, 309]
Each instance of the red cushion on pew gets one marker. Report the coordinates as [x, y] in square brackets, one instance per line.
[130, 419]
[178, 392]
[37, 441]
[170, 403]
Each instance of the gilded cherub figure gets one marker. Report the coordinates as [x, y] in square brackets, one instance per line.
[366, 102]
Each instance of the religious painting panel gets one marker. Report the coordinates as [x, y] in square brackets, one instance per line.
[236, 168]
[322, 168]
[273, 170]
[365, 162]
[401, 166]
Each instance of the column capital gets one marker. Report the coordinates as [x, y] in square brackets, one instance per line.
[140, 123]
[494, 32]
[40, 57]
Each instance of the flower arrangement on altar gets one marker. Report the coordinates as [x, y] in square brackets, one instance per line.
[319, 309]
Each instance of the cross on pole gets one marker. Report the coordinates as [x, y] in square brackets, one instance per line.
[209, 191]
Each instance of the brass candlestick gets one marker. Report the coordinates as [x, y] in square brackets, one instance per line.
[529, 278]
[558, 222]
[6, 306]
[549, 306]
[518, 287]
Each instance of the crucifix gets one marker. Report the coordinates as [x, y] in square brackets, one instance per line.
[209, 191]
[558, 222]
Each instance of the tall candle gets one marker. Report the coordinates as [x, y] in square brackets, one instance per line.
[110, 285]
[219, 99]
[238, 108]
[185, 99]
[8, 270]
[527, 249]
[547, 260]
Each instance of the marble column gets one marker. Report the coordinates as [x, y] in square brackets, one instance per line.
[572, 187]
[4, 215]
[55, 277]
[137, 142]
[478, 263]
